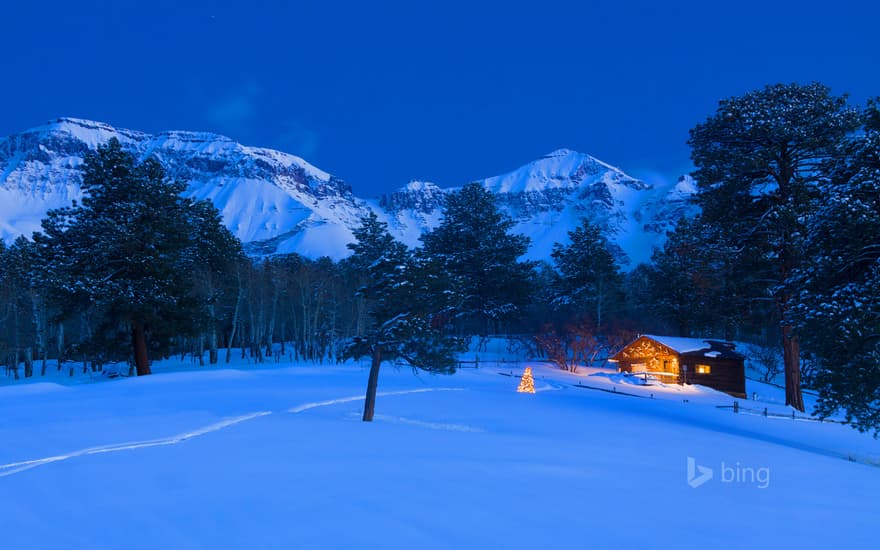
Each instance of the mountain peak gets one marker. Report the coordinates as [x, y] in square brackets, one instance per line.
[560, 169]
[420, 186]
[64, 122]
[563, 152]
[90, 132]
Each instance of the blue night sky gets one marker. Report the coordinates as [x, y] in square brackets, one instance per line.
[380, 93]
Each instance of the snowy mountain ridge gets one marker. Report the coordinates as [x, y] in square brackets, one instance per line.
[278, 203]
[548, 197]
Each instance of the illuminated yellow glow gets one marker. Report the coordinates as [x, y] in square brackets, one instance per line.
[527, 383]
[704, 369]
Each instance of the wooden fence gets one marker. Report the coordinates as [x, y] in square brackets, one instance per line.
[739, 409]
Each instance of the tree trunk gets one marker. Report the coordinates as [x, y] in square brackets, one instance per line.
[791, 352]
[270, 332]
[791, 349]
[15, 341]
[40, 326]
[60, 344]
[139, 343]
[372, 384]
[234, 325]
[14, 357]
[212, 337]
[212, 346]
[28, 362]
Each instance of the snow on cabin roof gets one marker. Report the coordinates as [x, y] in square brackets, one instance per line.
[684, 345]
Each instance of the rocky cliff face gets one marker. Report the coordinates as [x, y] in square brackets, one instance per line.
[277, 203]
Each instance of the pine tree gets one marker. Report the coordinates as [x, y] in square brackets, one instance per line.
[29, 308]
[216, 255]
[758, 162]
[405, 303]
[697, 281]
[474, 247]
[838, 307]
[589, 281]
[127, 254]
[22, 316]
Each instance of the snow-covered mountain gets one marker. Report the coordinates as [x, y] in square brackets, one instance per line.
[548, 197]
[278, 203]
[273, 201]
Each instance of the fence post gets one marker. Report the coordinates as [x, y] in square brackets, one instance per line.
[765, 411]
[736, 406]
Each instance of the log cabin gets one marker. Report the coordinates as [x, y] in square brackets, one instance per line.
[671, 359]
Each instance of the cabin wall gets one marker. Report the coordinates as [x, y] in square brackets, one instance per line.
[727, 375]
[647, 355]
[657, 363]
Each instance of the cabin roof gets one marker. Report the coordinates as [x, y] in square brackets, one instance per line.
[699, 347]
[681, 344]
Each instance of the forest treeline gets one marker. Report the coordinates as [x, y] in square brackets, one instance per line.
[785, 253]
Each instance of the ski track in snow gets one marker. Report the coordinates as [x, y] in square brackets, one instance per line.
[308, 406]
[21, 466]
[432, 425]
[16, 467]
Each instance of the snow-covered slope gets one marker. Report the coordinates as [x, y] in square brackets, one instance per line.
[278, 203]
[269, 457]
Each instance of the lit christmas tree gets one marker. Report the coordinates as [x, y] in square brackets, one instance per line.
[527, 383]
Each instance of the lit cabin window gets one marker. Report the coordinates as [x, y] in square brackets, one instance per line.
[704, 369]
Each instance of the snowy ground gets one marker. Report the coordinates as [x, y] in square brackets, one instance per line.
[277, 457]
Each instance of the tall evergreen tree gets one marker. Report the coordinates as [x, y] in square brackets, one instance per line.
[838, 306]
[127, 253]
[22, 316]
[758, 161]
[405, 303]
[216, 254]
[474, 246]
[589, 281]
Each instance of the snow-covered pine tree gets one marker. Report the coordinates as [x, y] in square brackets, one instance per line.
[27, 308]
[838, 308]
[474, 247]
[758, 161]
[406, 308]
[126, 255]
[22, 316]
[217, 255]
[589, 283]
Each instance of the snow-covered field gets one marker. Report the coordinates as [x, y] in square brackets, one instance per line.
[277, 457]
